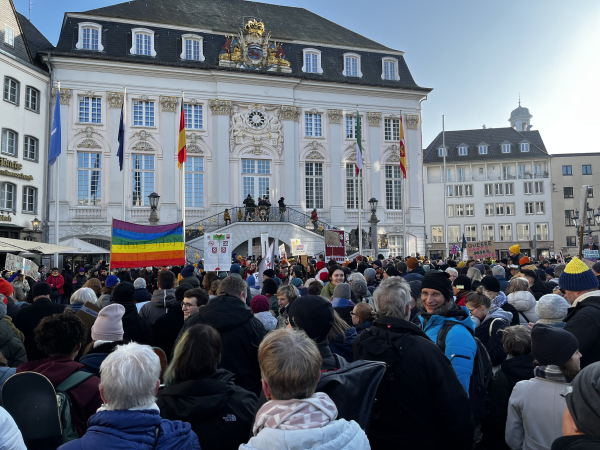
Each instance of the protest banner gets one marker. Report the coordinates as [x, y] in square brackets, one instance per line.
[334, 245]
[217, 252]
[282, 254]
[481, 249]
[298, 249]
[590, 254]
[26, 266]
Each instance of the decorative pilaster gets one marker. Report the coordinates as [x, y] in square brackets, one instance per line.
[412, 122]
[290, 112]
[114, 99]
[335, 115]
[220, 107]
[374, 118]
[65, 95]
[168, 103]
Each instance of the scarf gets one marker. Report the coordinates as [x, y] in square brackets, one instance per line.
[313, 412]
[499, 300]
[330, 288]
[550, 373]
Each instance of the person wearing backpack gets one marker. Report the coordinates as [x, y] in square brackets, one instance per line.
[419, 402]
[61, 336]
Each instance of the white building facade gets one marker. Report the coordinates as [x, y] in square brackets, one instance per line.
[264, 117]
[498, 187]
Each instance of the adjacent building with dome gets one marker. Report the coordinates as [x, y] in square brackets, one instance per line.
[497, 187]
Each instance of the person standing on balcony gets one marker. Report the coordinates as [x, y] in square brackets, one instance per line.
[226, 217]
[281, 203]
[314, 218]
[249, 206]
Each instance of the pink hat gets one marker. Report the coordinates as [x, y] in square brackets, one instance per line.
[259, 303]
[108, 325]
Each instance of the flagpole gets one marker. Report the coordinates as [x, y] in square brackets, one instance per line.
[56, 190]
[445, 232]
[182, 179]
[360, 194]
[122, 171]
[403, 194]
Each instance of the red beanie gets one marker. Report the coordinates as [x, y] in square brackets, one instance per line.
[6, 289]
[320, 265]
[259, 303]
[324, 277]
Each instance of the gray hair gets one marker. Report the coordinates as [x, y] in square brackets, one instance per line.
[356, 276]
[129, 376]
[83, 295]
[558, 269]
[452, 270]
[139, 283]
[392, 297]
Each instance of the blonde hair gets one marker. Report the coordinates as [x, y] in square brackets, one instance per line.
[517, 284]
[365, 312]
[474, 274]
[290, 364]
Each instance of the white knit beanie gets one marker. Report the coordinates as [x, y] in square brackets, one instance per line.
[108, 325]
[551, 308]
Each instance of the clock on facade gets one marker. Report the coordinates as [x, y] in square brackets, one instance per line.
[256, 119]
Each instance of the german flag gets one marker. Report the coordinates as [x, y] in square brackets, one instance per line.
[181, 153]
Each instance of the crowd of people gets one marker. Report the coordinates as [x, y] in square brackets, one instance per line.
[474, 354]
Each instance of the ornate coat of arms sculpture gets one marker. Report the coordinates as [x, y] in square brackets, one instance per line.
[253, 50]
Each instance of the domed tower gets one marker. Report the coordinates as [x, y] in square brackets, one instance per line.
[520, 118]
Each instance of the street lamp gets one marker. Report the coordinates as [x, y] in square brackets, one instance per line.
[35, 225]
[373, 220]
[153, 199]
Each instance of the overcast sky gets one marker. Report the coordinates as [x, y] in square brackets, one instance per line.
[477, 55]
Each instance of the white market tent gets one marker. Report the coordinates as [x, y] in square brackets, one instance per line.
[17, 245]
[83, 247]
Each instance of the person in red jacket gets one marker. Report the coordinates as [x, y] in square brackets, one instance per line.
[61, 336]
[56, 282]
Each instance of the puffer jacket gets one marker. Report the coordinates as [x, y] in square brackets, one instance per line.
[162, 300]
[339, 434]
[524, 302]
[10, 436]
[125, 429]
[488, 332]
[10, 345]
[459, 340]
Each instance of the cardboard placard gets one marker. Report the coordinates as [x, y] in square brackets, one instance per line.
[282, 254]
[217, 252]
[304, 260]
[26, 266]
[88, 314]
[481, 250]
[335, 245]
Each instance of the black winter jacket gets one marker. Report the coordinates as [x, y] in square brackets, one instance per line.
[490, 336]
[420, 384]
[142, 295]
[539, 289]
[10, 345]
[221, 413]
[241, 334]
[29, 317]
[584, 322]
[166, 329]
[579, 442]
[135, 327]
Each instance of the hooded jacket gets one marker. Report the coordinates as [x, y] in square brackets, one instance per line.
[539, 289]
[166, 329]
[417, 271]
[94, 358]
[503, 283]
[220, 413]
[135, 327]
[79, 281]
[401, 414]
[524, 302]
[57, 282]
[162, 301]
[10, 345]
[343, 347]
[459, 340]
[85, 398]
[583, 320]
[241, 334]
[142, 295]
[29, 317]
[489, 334]
[134, 429]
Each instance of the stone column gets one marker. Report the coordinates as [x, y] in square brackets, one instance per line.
[337, 205]
[291, 156]
[170, 184]
[377, 169]
[220, 110]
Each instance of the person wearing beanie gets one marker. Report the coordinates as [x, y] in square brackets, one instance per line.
[80, 279]
[390, 272]
[166, 328]
[141, 295]
[536, 406]
[524, 261]
[580, 287]
[581, 420]
[260, 307]
[107, 334]
[481, 268]
[135, 327]
[335, 276]
[551, 310]
[370, 277]
[490, 288]
[416, 306]
[235, 268]
[499, 274]
[188, 276]
[595, 269]
[29, 317]
[341, 302]
[514, 254]
[461, 286]
[163, 297]
[413, 266]
[439, 307]
[537, 286]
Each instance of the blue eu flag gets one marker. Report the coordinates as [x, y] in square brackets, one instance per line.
[55, 141]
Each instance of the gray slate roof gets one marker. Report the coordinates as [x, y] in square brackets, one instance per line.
[36, 41]
[493, 137]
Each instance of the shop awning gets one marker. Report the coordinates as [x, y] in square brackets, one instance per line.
[83, 247]
[17, 245]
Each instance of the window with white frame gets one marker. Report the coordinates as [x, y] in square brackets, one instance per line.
[454, 233]
[142, 42]
[522, 232]
[30, 148]
[437, 234]
[194, 182]
[89, 37]
[11, 90]
[528, 187]
[32, 99]
[312, 61]
[487, 232]
[498, 189]
[143, 113]
[539, 187]
[541, 231]
[450, 211]
[8, 191]
[489, 209]
[393, 183]
[509, 189]
[395, 245]
[528, 207]
[590, 191]
[506, 172]
[471, 233]
[524, 146]
[313, 124]
[314, 185]
[389, 70]
[143, 179]
[522, 169]
[256, 179]
[354, 188]
[442, 152]
[89, 179]
[449, 191]
[461, 174]
[470, 210]
[499, 209]
[192, 47]
[540, 208]
[351, 126]
[352, 65]
[488, 190]
[483, 149]
[462, 151]
[9, 36]
[460, 210]
[458, 190]
[505, 148]
[10, 142]
[468, 190]
[506, 232]
[510, 209]
[90, 109]
[29, 199]
[391, 129]
[537, 170]
[194, 116]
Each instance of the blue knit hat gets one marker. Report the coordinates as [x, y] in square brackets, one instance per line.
[577, 276]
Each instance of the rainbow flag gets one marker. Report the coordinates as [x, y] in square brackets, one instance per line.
[134, 245]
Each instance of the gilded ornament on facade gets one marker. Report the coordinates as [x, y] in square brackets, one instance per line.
[114, 99]
[65, 95]
[220, 107]
[192, 143]
[290, 112]
[168, 103]
[412, 122]
[374, 118]
[335, 115]
[88, 143]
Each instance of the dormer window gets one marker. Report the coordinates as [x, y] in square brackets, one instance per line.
[352, 65]
[390, 69]
[142, 41]
[312, 61]
[442, 152]
[192, 48]
[483, 149]
[505, 148]
[524, 147]
[90, 37]
[462, 150]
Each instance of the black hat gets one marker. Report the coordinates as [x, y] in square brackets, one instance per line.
[462, 283]
[269, 273]
[440, 281]
[313, 314]
[551, 345]
[40, 289]
[583, 400]
[451, 263]
[270, 286]
[415, 289]
[596, 267]
[181, 290]
[490, 283]
[392, 272]
[123, 293]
